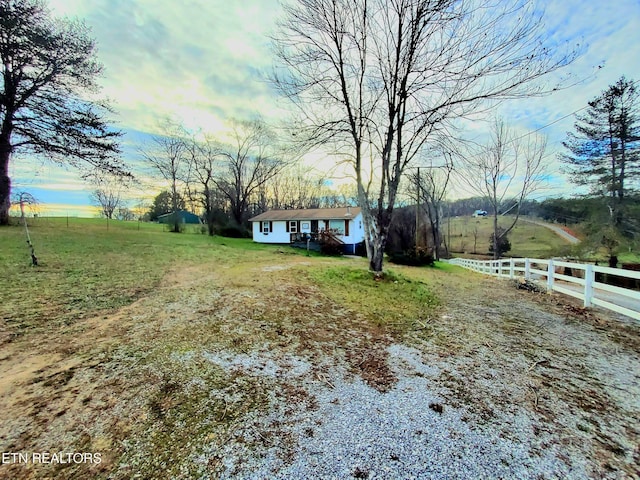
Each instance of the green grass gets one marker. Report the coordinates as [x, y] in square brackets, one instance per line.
[527, 239]
[85, 267]
[394, 301]
[629, 257]
[446, 267]
[145, 372]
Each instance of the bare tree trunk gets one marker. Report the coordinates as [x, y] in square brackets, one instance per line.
[376, 247]
[475, 239]
[5, 180]
[5, 193]
[174, 204]
[435, 235]
[496, 237]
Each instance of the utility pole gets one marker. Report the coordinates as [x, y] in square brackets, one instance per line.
[417, 207]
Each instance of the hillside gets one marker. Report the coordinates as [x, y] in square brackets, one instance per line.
[527, 239]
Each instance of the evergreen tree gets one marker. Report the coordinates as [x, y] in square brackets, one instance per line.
[503, 244]
[604, 151]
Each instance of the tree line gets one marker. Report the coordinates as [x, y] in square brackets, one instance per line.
[228, 182]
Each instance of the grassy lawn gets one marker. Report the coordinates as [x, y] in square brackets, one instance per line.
[163, 351]
[121, 320]
[527, 239]
[87, 265]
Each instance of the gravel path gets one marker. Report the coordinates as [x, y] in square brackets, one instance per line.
[559, 231]
[521, 387]
[225, 376]
[352, 430]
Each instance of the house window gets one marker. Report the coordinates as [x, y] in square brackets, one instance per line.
[265, 227]
[293, 226]
[337, 226]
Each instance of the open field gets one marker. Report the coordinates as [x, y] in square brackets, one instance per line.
[527, 239]
[183, 356]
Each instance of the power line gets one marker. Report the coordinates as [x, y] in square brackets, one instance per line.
[549, 124]
[559, 119]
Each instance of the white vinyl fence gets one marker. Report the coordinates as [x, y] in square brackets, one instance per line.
[581, 284]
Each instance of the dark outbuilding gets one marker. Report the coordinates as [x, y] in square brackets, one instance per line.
[185, 217]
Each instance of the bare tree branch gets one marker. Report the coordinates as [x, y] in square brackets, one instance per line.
[381, 78]
[507, 168]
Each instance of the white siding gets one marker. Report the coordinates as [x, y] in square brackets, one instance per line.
[356, 231]
[280, 234]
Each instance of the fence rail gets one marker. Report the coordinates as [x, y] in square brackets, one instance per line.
[582, 284]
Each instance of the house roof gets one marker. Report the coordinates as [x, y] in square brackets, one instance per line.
[179, 212]
[308, 214]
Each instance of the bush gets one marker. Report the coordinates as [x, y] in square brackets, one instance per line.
[231, 231]
[415, 257]
[504, 245]
[330, 248]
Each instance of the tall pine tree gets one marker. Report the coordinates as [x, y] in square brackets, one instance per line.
[604, 151]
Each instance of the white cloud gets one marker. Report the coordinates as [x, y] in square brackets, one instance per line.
[203, 61]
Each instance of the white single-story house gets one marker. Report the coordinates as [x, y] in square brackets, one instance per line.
[289, 226]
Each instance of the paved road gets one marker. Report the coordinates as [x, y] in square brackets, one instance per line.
[614, 298]
[559, 231]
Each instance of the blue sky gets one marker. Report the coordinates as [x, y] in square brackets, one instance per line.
[202, 62]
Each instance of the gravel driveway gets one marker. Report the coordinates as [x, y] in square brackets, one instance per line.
[557, 230]
[518, 385]
[221, 374]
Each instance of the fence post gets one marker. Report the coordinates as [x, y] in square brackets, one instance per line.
[550, 272]
[588, 285]
[527, 268]
[512, 268]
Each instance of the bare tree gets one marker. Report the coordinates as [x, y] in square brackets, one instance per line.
[206, 158]
[508, 168]
[475, 237]
[432, 182]
[296, 186]
[252, 159]
[167, 157]
[125, 213]
[26, 200]
[377, 78]
[108, 193]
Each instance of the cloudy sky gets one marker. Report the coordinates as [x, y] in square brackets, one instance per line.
[203, 62]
